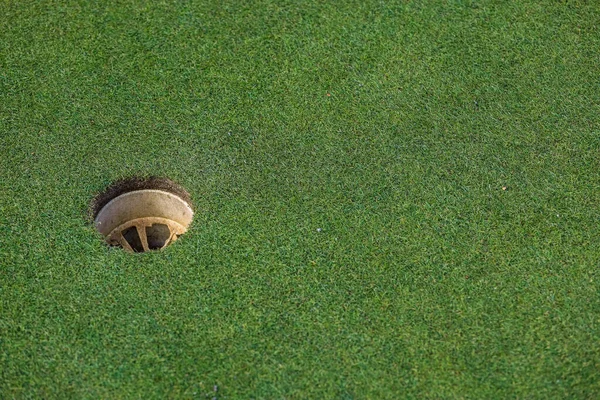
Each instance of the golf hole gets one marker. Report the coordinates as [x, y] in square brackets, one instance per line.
[142, 214]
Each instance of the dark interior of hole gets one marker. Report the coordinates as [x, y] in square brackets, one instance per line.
[133, 238]
[157, 234]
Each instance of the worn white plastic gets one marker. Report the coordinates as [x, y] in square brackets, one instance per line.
[142, 209]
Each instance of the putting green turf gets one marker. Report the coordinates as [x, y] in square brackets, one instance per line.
[347, 163]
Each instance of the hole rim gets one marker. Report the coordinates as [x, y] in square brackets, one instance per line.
[126, 186]
[136, 183]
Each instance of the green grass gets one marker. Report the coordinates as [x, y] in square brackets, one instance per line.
[346, 160]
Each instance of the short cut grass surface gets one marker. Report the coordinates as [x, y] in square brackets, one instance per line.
[394, 199]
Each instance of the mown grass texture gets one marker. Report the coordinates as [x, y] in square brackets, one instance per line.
[394, 199]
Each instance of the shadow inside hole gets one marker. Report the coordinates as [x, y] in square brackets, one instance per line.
[133, 238]
[158, 235]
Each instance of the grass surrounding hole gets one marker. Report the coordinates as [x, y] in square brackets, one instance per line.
[347, 159]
